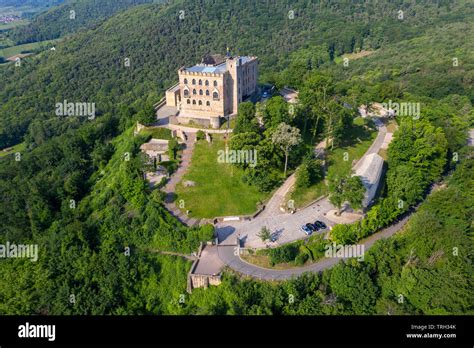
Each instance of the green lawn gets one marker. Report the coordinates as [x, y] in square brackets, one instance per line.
[341, 158]
[13, 50]
[353, 148]
[306, 195]
[17, 148]
[11, 25]
[218, 190]
[158, 132]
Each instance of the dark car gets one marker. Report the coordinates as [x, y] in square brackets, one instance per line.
[306, 230]
[273, 237]
[320, 225]
[312, 227]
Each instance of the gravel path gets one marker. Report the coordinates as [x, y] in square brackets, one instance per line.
[170, 186]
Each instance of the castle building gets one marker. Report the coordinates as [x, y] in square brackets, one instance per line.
[213, 89]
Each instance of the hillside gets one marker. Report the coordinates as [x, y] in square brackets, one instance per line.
[82, 242]
[59, 21]
[89, 66]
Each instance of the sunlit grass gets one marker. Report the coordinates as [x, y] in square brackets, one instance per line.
[218, 190]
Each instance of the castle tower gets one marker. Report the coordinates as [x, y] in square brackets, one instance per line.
[235, 94]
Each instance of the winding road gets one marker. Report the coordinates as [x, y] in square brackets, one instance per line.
[287, 226]
[231, 258]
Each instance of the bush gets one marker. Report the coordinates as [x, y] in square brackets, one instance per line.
[284, 254]
[344, 233]
[200, 135]
[301, 258]
[173, 148]
[206, 232]
[302, 176]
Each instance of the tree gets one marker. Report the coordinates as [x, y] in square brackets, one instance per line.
[345, 187]
[173, 148]
[352, 284]
[147, 115]
[354, 191]
[405, 182]
[246, 120]
[302, 176]
[336, 190]
[421, 144]
[315, 95]
[276, 112]
[286, 137]
[264, 234]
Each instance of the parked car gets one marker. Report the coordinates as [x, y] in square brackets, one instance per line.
[321, 225]
[273, 237]
[312, 227]
[306, 230]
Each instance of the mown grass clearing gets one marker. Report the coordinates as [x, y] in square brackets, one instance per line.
[218, 187]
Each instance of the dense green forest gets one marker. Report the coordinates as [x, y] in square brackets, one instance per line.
[70, 17]
[78, 189]
[160, 43]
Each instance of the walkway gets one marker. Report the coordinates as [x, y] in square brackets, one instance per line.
[276, 201]
[170, 186]
[286, 225]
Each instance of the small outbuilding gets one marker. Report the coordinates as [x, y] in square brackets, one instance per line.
[156, 149]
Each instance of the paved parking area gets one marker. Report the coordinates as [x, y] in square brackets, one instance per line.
[287, 226]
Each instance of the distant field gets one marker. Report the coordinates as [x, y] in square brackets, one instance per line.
[13, 149]
[6, 26]
[21, 10]
[11, 51]
[353, 56]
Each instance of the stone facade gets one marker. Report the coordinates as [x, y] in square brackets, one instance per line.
[213, 89]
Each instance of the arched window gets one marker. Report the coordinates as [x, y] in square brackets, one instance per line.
[215, 96]
[200, 102]
[200, 82]
[194, 81]
[194, 102]
[186, 93]
[200, 92]
[194, 91]
[215, 83]
[207, 83]
[208, 103]
[185, 81]
[207, 93]
[188, 101]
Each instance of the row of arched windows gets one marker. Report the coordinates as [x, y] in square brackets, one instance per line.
[215, 95]
[206, 82]
[208, 103]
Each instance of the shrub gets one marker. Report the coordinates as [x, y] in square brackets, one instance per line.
[301, 258]
[302, 176]
[206, 232]
[200, 135]
[283, 254]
